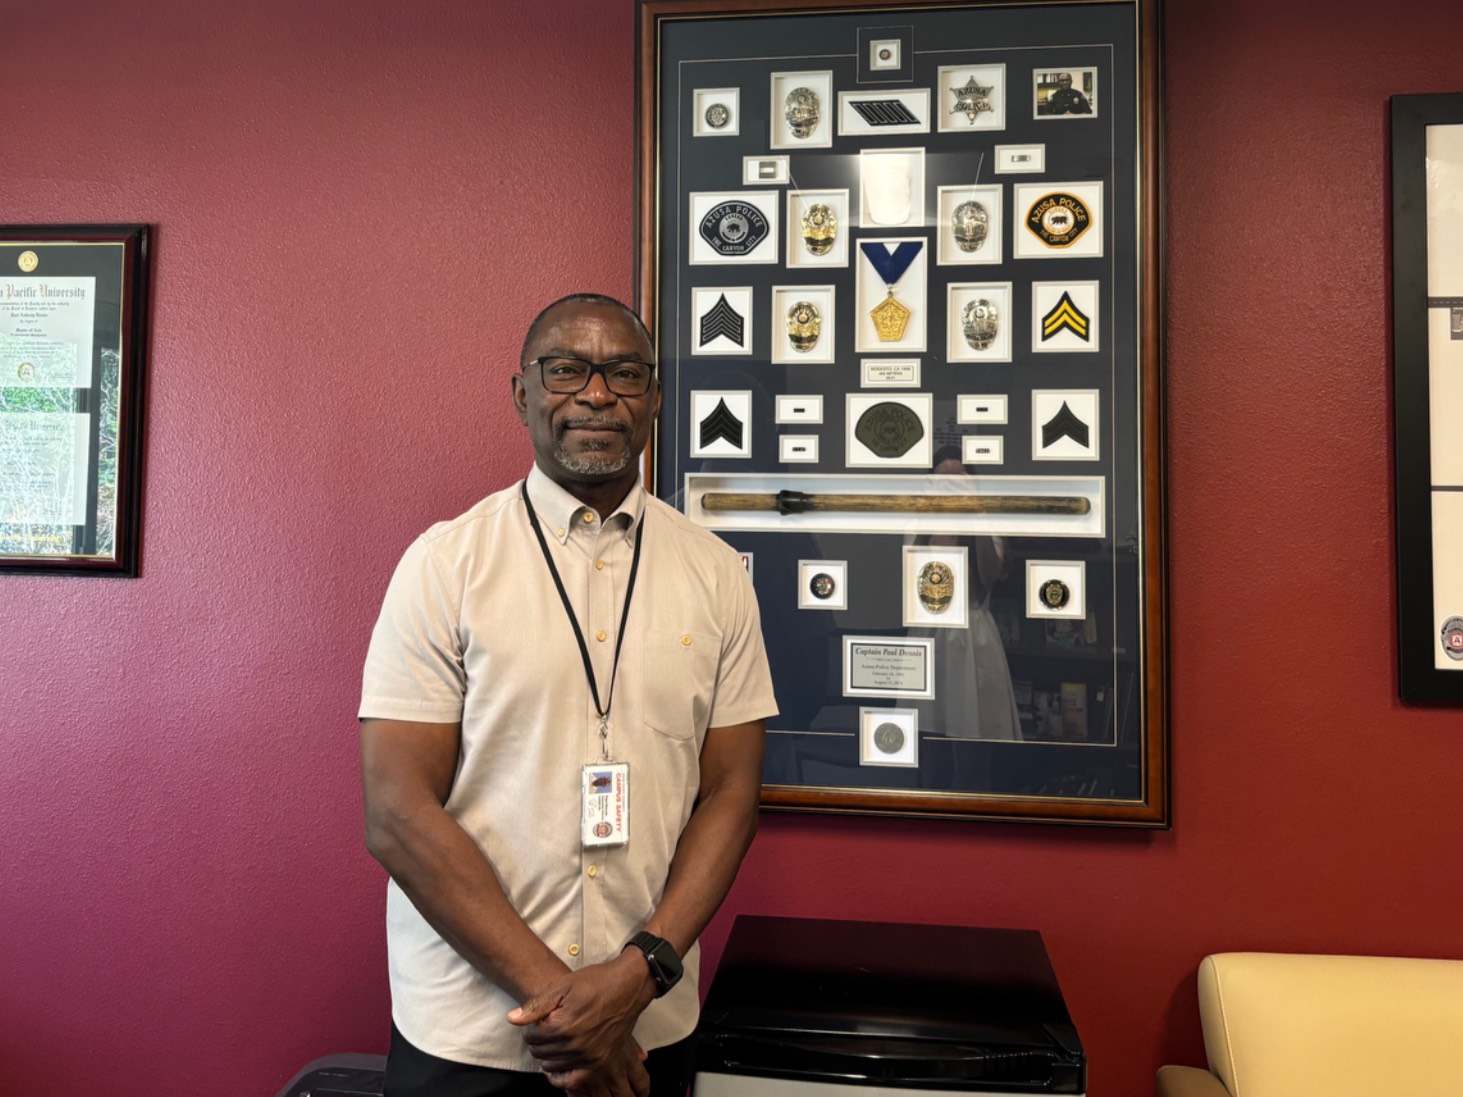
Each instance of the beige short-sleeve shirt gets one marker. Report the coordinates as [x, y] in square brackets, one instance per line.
[472, 630]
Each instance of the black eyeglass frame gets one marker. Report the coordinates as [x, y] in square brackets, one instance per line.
[601, 368]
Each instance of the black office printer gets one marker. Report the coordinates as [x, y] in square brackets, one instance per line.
[814, 1008]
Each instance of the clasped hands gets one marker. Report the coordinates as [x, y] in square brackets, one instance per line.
[580, 1029]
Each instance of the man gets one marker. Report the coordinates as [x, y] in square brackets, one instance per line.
[1066, 99]
[563, 639]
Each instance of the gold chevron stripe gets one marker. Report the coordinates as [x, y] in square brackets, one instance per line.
[1065, 315]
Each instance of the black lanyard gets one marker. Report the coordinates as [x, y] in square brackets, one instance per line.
[604, 713]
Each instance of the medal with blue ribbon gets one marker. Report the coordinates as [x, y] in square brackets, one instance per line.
[891, 316]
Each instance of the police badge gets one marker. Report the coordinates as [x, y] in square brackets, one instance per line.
[1054, 594]
[936, 586]
[820, 228]
[970, 222]
[802, 111]
[804, 324]
[972, 100]
[980, 321]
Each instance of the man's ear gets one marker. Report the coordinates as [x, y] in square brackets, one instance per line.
[520, 398]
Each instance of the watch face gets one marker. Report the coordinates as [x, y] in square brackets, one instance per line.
[665, 965]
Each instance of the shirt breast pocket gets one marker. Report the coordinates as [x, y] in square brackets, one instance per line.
[680, 680]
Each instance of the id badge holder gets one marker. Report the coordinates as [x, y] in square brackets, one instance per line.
[605, 805]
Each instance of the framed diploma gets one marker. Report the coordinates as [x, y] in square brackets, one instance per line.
[73, 333]
[1427, 304]
[902, 267]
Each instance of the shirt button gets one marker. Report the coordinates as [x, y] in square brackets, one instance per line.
[588, 517]
[573, 950]
[561, 533]
[593, 870]
[685, 641]
[600, 635]
[599, 565]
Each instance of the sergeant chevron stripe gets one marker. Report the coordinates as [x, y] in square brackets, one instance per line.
[1065, 314]
[722, 321]
[721, 424]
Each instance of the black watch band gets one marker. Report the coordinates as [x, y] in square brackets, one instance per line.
[665, 965]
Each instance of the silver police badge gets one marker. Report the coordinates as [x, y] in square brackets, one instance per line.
[820, 228]
[717, 115]
[802, 111]
[970, 222]
[936, 586]
[980, 320]
[804, 325]
[972, 99]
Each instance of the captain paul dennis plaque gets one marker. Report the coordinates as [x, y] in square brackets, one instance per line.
[877, 667]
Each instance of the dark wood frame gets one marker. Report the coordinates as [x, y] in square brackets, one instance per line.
[134, 264]
[1153, 808]
[1418, 678]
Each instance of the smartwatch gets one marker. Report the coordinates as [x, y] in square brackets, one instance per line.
[665, 965]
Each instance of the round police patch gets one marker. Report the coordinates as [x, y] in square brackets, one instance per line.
[1058, 219]
[889, 429]
[734, 228]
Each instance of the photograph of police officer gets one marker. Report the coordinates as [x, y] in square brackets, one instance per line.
[1066, 93]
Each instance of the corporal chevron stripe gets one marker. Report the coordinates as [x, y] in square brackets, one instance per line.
[1065, 314]
[884, 112]
[723, 321]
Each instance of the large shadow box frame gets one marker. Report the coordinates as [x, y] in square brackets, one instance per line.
[902, 266]
[1427, 332]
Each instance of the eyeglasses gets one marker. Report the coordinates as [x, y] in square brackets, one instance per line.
[566, 373]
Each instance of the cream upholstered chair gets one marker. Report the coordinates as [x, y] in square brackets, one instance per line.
[1287, 1025]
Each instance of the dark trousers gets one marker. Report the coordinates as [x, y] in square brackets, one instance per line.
[411, 1072]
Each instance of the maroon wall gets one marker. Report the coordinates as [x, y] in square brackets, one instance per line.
[358, 206]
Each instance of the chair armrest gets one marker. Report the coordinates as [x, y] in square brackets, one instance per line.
[1189, 1082]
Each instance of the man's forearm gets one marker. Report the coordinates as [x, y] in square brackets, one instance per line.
[453, 886]
[706, 861]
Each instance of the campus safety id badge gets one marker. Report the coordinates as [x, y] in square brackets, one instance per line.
[604, 817]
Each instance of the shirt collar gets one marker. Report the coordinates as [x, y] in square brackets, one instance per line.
[558, 511]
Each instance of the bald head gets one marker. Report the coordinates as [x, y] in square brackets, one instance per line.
[544, 319]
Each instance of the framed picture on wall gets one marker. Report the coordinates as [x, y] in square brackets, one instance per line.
[1427, 310]
[73, 336]
[962, 212]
